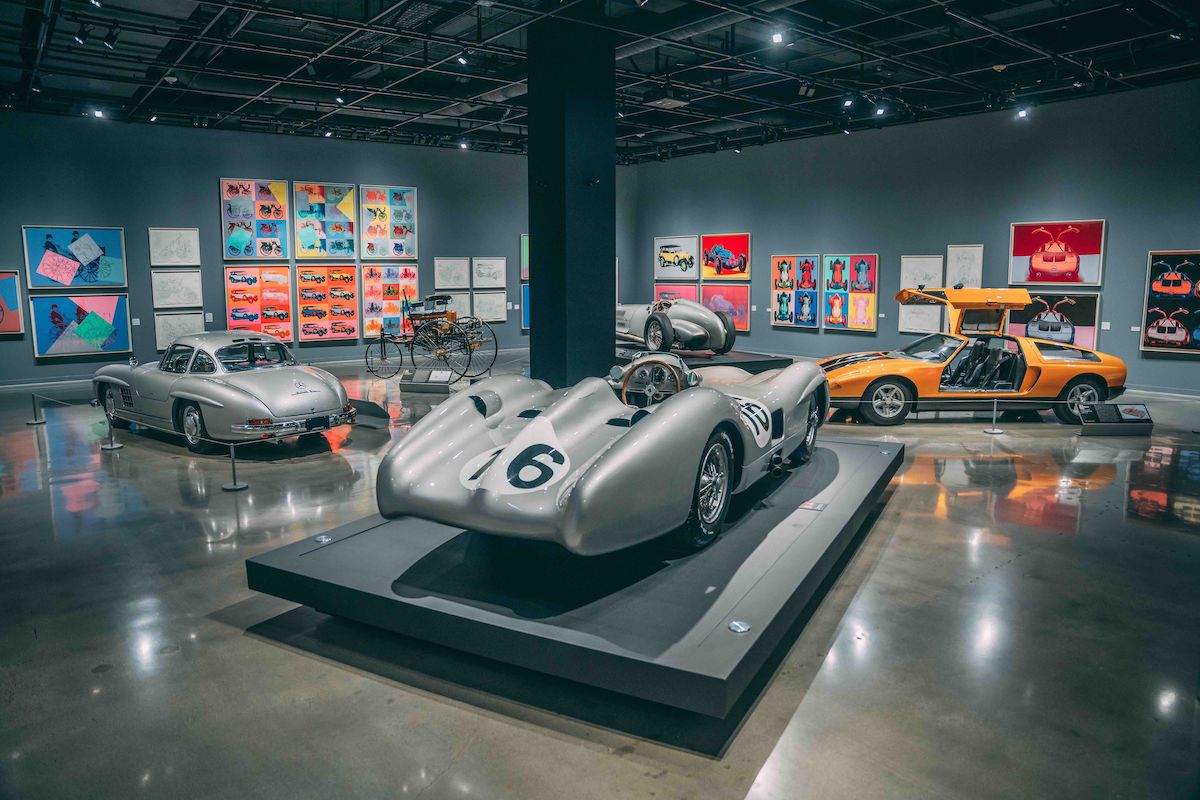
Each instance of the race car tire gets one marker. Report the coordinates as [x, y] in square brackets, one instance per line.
[887, 401]
[1080, 390]
[108, 399]
[803, 453]
[715, 477]
[730, 333]
[658, 335]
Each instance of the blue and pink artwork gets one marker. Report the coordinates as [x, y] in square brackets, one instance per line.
[65, 256]
[11, 320]
[79, 325]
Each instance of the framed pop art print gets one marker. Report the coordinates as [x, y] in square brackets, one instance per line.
[73, 257]
[725, 257]
[795, 294]
[255, 215]
[676, 258]
[1064, 253]
[1171, 305]
[732, 298]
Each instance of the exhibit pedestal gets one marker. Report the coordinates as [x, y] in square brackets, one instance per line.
[751, 362]
[689, 631]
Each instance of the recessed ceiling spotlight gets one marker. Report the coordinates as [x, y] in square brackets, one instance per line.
[97, 3]
[328, 134]
[880, 109]
[1023, 112]
[339, 100]
[462, 145]
[462, 60]
[848, 101]
[737, 150]
[81, 35]
[1176, 35]
[777, 37]
[97, 113]
[35, 85]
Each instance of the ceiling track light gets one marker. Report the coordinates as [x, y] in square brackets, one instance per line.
[462, 145]
[98, 113]
[154, 118]
[81, 35]
[340, 101]
[110, 39]
[35, 85]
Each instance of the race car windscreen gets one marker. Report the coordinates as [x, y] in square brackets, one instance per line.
[254, 355]
[932, 348]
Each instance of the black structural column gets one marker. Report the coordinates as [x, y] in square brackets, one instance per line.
[572, 201]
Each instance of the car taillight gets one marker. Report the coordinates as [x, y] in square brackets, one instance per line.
[263, 421]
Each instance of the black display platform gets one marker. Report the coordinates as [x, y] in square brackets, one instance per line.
[751, 362]
[643, 622]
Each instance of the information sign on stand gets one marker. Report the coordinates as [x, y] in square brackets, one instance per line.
[1115, 419]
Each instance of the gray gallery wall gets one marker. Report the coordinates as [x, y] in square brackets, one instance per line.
[1132, 159]
[64, 171]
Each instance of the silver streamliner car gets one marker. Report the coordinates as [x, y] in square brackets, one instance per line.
[676, 322]
[657, 448]
[227, 386]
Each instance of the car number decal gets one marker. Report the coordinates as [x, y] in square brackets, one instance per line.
[533, 460]
[757, 418]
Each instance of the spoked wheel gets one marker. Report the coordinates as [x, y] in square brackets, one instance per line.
[711, 499]
[384, 358]
[441, 344]
[483, 345]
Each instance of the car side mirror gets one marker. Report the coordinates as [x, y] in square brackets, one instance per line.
[616, 373]
[133, 362]
[693, 378]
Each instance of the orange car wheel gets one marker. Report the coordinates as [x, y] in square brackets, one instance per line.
[887, 401]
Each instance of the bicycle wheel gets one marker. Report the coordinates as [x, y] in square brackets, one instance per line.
[483, 345]
[384, 358]
[441, 344]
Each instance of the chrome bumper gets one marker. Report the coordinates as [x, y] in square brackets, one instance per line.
[291, 427]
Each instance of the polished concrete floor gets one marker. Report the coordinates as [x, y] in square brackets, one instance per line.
[1022, 618]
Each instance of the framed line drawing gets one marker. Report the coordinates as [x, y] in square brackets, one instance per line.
[490, 306]
[170, 325]
[174, 247]
[489, 273]
[964, 264]
[176, 288]
[74, 257]
[920, 271]
[451, 273]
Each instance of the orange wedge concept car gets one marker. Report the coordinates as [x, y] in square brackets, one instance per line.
[973, 365]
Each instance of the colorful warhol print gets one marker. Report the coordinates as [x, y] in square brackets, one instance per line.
[326, 219]
[389, 218]
[73, 325]
[254, 219]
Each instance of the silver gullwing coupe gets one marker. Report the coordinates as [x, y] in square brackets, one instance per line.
[227, 386]
[657, 448]
[676, 322]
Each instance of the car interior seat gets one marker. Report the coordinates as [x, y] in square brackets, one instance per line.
[967, 364]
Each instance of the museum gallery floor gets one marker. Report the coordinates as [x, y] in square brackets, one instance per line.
[1015, 617]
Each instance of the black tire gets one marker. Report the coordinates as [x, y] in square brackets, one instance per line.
[704, 522]
[483, 345]
[887, 401]
[108, 401]
[730, 333]
[193, 429]
[1086, 390]
[441, 344]
[658, 334]
[384, 358]
[685, 264]
[803, 453]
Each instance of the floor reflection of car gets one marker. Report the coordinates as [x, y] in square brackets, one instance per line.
[973, 366]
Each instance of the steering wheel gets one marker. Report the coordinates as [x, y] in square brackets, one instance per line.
[649, 380]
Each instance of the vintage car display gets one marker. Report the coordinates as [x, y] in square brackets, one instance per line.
[672, 255]
[973, 365]
[668, 323]
[243, 315]
[314, 329]
[279, 314]
[308, 276]
[722, 259]
[310, 311]
[226, 386]
[511, 456]
[338, 293]
[341, 276]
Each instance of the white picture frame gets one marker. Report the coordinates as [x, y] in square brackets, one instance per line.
[174, 247]
[490, 306]
[460, 303]
[917, 271]
[170, 325]
[451, 273]
[964, 264]
[489, 272]
[177, 288]
[689, 245]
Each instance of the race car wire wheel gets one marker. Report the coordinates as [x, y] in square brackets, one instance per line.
[714, 483]
[653, 335]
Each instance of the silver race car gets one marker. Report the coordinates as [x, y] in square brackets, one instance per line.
[224, 385]
[605, 464]
[680, 323]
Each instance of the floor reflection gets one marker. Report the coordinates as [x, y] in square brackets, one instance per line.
[1164, 486]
